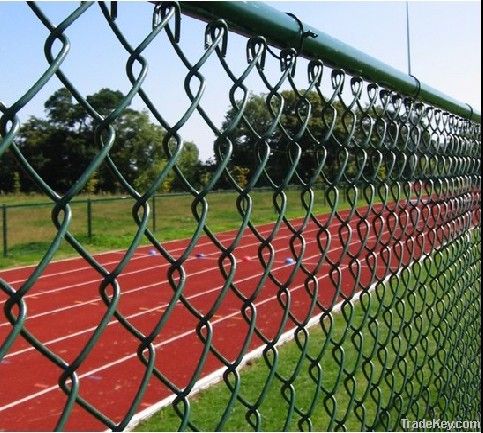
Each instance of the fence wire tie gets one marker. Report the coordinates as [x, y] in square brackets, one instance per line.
[298, 50]
[303, 34]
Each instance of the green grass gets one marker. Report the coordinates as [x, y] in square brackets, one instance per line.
[30, 229]
[421, 316]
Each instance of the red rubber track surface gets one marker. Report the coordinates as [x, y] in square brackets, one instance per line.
[64, 307]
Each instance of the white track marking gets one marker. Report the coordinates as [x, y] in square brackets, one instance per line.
[126, 292]
[159, 267]
[97, 280]
[141, 256]
[162, 283]
[122, 250]
[208, 380]
[217, 375]
[182, 335]
[119, 251]
[134, 355]
[213, 377]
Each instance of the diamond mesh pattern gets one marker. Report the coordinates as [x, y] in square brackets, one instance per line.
[399, 265]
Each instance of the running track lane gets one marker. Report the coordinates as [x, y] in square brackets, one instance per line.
[64, 307]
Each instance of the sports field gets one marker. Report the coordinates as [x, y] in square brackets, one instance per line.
[216, 217]
[342, 251]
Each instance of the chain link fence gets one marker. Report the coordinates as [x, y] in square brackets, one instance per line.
[388, 303]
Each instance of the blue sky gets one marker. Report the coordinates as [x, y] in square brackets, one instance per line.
[445, 39]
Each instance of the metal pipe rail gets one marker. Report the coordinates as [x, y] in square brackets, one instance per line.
[282, 31]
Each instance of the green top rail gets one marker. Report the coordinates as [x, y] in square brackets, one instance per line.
[282, 31]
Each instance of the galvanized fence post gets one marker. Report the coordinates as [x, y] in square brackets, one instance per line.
[89, 218]
[4, 229]
[154, 212]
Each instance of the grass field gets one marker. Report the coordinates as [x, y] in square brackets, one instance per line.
[408, 336]
[30, 229]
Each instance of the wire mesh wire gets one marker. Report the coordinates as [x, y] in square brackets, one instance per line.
[390, 302]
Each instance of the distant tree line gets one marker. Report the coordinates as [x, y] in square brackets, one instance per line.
[61, 146]
[344, 143]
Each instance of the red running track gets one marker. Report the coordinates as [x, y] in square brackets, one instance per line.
[64, 308]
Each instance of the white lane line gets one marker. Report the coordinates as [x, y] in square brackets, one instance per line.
[134, 355]
[174, 338]
[158, 267]
[148, 311]
[93, 301]
[137, 271]
[83, 268]
[141, 256]
[162, 284]
[165, 243]
[217, 375]
[128, 292]
[213, 375]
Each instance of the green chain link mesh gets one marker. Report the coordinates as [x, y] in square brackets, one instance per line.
[413, 205]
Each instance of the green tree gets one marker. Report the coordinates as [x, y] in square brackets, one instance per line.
[317, 145]
[61, 111]
[16, 183]
[138, 146]
[146, 177]
[58, 154]
[187, 162]
[240, 174]
[91, 185]
[189, 165]
[8, 166]
[105, 100]
[61, 146]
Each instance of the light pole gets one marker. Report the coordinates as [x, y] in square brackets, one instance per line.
[407, 38]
